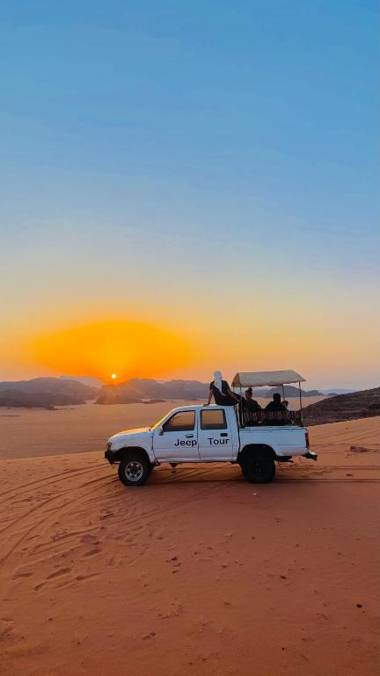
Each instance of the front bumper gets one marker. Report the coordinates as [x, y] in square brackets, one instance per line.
[110, 456]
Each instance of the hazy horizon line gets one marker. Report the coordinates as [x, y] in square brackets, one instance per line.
[321, 388]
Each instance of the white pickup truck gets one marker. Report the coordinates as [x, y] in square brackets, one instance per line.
[197, 433]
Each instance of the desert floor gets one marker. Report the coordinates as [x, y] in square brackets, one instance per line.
[198, 572]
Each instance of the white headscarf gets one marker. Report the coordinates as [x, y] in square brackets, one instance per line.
[218, 381]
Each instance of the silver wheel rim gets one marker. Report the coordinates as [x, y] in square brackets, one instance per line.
[134, 470]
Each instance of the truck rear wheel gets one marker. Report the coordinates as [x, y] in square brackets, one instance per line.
[258, 467]
[134, 469]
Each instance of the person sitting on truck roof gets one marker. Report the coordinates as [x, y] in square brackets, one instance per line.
[221, 391]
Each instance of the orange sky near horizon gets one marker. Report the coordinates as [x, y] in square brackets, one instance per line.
[102, 348]
[138, 348]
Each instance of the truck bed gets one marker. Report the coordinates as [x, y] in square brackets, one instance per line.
[284, 439]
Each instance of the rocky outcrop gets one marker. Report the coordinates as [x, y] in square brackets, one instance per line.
[142, 390]
[45, 393]
[363, 404]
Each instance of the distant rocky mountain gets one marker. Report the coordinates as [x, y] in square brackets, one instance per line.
[290, 391]
[86, 380]
[332, 392]
[139, 389]
[45, 392]
[63, 391]
[15, 398]
[361, 404]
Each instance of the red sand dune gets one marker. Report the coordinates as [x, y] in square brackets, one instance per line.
[198, 572]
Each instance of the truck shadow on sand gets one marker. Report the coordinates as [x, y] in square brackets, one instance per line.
[284, 475]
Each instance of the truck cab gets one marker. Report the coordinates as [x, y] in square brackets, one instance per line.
[197, 434]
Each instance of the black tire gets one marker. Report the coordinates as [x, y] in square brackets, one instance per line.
[134, 469]
[258, 467]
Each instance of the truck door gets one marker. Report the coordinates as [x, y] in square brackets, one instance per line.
[215, 439]
[177, 438]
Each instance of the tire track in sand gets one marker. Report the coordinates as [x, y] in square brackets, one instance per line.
[44, 480]
[80, 497]
[27, 518]
[100, 490]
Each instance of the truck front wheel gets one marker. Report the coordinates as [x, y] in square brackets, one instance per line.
[134, 469]
[258, 467]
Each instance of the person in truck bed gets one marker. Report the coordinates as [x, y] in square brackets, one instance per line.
[276, 405]
[249, 403]
[277, 411]
[221, 391]
[249, 408]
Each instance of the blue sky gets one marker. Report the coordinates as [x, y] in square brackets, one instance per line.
[171, 148]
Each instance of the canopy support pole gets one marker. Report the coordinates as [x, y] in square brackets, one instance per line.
[300, 392]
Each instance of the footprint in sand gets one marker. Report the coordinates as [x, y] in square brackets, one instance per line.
[152, 634]
[22, 573]
[90, 539]
[92, 552]
[86, 577]
[6, 629]
[39, 586]
[58, 573]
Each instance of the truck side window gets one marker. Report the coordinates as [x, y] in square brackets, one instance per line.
[213, 420]
[184, 421]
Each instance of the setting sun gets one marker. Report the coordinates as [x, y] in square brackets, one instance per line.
[113, 376]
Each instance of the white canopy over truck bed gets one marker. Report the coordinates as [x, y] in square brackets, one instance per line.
[268, 379]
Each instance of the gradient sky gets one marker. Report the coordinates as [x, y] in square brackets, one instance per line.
[209, 168]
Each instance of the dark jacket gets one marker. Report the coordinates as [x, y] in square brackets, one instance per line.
[222, 398]
[251, 405]
[276, 407]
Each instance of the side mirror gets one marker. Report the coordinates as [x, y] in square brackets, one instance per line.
[160, 430]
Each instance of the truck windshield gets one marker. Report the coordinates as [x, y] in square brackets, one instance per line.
[172, 414]
[159, 422]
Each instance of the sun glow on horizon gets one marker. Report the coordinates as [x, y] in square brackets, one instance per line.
[139, 348]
